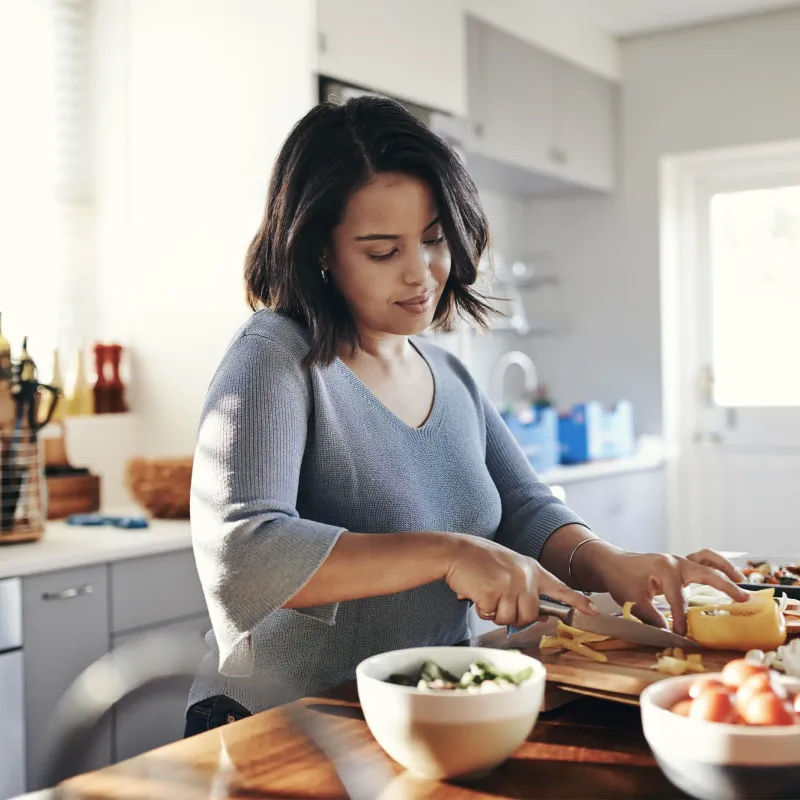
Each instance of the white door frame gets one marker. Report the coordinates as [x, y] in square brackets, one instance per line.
[684, 185]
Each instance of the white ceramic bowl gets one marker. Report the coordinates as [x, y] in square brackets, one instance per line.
[715, 761]
[446, 734]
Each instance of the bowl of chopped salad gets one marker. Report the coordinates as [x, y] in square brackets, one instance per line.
[450, 712]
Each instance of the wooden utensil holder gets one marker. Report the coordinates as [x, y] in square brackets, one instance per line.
[22, 493]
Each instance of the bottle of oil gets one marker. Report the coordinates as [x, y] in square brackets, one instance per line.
[80, 401]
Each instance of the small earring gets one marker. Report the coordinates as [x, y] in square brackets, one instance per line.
[324, 274]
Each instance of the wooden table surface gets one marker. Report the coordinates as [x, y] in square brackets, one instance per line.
[589, 748]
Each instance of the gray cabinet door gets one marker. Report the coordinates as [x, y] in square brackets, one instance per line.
[157, 716]
[65, 629]
[585, 113]
[548, 119]
[10, 614]
[627, 510]
[510, 97]
[12, 726]
[155, 589]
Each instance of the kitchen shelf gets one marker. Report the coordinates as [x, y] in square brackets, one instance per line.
[531, 330]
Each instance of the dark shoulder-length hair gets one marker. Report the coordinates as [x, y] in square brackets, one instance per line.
[334, 150]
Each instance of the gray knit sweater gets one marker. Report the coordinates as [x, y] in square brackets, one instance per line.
[287, 459]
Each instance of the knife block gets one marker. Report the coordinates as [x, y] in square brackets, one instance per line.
[70, 490]
[72, 494]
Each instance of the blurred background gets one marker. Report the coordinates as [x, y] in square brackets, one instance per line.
[639, 161]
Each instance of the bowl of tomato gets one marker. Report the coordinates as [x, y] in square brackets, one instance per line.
[730, 735]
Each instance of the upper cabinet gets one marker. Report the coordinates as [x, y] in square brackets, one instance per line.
[585, 114]
[537, 124]
[413, 50]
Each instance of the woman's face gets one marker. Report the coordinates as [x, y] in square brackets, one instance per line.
[389, 258]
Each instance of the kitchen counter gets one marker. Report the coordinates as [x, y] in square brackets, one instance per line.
[64, 546]
[587, 749]
[650, 454]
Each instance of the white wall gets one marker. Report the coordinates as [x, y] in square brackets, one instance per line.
[509, 242]
[209, 89]
[712, 86]
[582, 361]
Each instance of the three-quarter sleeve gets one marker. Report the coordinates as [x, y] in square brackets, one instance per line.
[530, 511]
[253, 550]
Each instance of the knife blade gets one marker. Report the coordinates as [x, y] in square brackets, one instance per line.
[609, 625]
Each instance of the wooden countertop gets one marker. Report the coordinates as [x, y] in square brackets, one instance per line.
[587, 749]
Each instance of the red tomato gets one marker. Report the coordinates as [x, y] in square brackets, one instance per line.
[699, 685]
[756, 684]
[767, 709]
[736, 672]
[713, 705]
[683, 708]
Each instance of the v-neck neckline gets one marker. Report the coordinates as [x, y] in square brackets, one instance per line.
[434, 415]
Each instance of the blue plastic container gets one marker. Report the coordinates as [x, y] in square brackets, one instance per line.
[536, 430]
[588, 432]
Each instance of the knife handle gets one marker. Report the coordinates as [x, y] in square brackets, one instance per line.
[558, 610]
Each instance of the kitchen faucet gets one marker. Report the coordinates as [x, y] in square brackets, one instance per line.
[500, 371]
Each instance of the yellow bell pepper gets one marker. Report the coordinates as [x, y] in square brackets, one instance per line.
[757, 624]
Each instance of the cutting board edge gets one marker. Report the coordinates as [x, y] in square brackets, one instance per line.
[623, 679]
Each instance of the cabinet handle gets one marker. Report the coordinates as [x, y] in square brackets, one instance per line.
[68, 594]
[479, 130]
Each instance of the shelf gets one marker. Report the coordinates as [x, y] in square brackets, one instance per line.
[531, 330]
[529, 284]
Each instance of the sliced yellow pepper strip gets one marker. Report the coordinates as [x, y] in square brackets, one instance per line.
[626, 611]
[755, 625]
[583, 650]
[615, 644]
[579, 635]
[562, 643]
[677, 666]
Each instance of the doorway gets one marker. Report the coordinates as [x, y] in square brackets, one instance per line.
[730, 280]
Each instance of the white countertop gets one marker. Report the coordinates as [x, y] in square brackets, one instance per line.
[64, 546]
[651, 454]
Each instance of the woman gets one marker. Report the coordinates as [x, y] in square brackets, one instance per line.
[352, 485]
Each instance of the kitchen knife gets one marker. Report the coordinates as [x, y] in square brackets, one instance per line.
[608, 625]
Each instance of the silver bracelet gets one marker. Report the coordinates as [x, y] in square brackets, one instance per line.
[577, 547]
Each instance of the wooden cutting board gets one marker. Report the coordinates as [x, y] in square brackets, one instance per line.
[627, 672]
[623, 677]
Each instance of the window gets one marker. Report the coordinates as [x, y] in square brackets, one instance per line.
[755, 274]
[45, 192]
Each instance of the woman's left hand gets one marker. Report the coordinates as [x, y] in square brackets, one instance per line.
[639, 577]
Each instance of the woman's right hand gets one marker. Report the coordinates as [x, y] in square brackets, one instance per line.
[504, 585]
